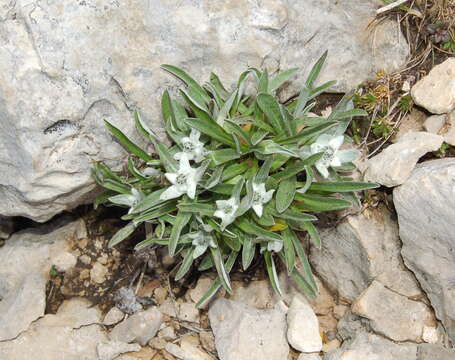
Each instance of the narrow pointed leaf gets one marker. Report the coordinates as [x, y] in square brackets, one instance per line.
[221, 270]
[285, 193]
[122, 234]
[180, 222]
[271, 270]
[186, 264]
[316, 69]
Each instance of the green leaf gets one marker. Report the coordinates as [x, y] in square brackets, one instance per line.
[216, 285]
[248, 251]
[149, 202]
[313, 232]
[157, 212]
[221, 270]
[212, 129]
[314, 73]
[263, 82]
[198, 208]
[271, 108]
[307, 273]
[335, 187]
[295, 216]
[307, 133]
[188, 80]
[289, 252]
[308, 181]
[301, 102]
[263, 172]
[232, 127]
[281, 78]
[180, 222]
[318, 203]
[142, 126]
[271, 270]
[268, 147]
[122, 234]
[348, 114]
[116, 186]
[285, 193]
[226, 108]
[319, 90]
[253, 229]
[234, 170]
[303, 284]
[214, 178]
[297, 167]
[223, 155]
[186, 264]
[127, 143]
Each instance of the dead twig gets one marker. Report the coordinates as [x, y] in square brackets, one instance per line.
[390, 6]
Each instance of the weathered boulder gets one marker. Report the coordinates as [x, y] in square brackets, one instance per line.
[66, 66]
[245, 333]
[394, 164]
[366, 247]
[394, 315]
[425, 204]
[26, 259]
[436, 91]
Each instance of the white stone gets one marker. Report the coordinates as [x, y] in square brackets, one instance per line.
[412, 122]
[188, 350]
[425, 205]
[430, 334]
[111, 349]
[245, 333]
[303, 327]
[113, 316]
[394, 165]
[257, 294]
[443, 125]
[436, 91]
[139, 327]
[26, 259]
[58, 83]
[393, 315]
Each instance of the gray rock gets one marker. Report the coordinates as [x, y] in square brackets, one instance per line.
[394, 165]
[426, 214]
[412, 122]
[139, 327]
[303, 327]
[443, 125]
[434, 352]
[245, 333]
[257, 294]
[26, 259]
[59, 82]
[436, 91]
[367, 346]
[309, 357]
[68, 335]
[394, 315]
[113, 316]
[111, 349]
[366, 247]
[189, 349]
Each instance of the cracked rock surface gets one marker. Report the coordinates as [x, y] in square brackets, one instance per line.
[65, 66]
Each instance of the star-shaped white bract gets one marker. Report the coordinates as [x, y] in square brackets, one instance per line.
[192, 147]
[272, 246]
[184, 181]
[332, 155]
[260, 197]
[201, 241]
[128, 199]
[226, 210]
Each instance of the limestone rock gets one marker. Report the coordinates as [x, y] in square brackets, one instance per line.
[366, 247]
[188, 350]
[393, 315]
[139, 327]
[425, 206]
[303, 327]
[443, 125]
[372, 347]
[412, 122]
[257, 294]
[436, 91]
[434, 352]
[26, 259]
[113, 316]
[309, 357]
[58, 82]
[245, 333]
[394, 165]
[68, 335]
[111, 349]
[188, 312]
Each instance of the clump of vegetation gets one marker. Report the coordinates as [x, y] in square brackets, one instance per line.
[243, 177]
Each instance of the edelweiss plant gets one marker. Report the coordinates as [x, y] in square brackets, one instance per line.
[244, 175]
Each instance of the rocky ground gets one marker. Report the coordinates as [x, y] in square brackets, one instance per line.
[386, 272]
